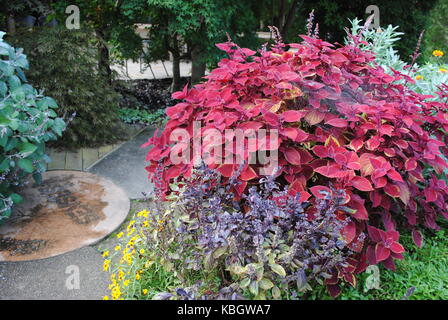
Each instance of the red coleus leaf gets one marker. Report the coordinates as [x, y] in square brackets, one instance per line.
[389, 263]
[373, 143]
[361, 184]
[320, 151]
[392, 190]
[320, 192]
[314, 117]
[366, 166]
[356, 144]
[292, 115]
[181, 94]
[292, 156]
[410, 164]
[357, 203]
[394, 175]
[248, 174]
[226, 170]
[381, 252]
[349, 232]
[295, 134]
[417, 237]
[334, 290]
[396, 247]
[250, 125]
[337, 122]
[430, 194]
[331, 171]
[374, 234]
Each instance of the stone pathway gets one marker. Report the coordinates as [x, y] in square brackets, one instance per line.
[126, 166]
[75, 275]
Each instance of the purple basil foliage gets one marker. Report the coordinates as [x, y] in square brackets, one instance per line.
[267, 226]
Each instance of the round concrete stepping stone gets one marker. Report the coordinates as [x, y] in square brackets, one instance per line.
[69, 210]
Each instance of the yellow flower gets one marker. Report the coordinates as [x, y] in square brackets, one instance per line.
[120, 235]
[117, 247]
[116, 293]
[143, 213]
[443, 70]
[105, 254]
[145, 291]
[142, 251]
[146, 224]
[106, 298]
[137, 277]
[126, 283]
[106, 265]
[120, 275]
[419, 77]
[131, 231]
[437, 53]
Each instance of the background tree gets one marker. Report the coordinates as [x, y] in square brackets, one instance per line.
[332, 16]
[190, 29]
[113, 23]
[436, 35]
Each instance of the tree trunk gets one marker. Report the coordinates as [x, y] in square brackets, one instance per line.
[289, 19]
[11, 25]
[281, 15]
[175, 85]
[104, 56]
[198, 64]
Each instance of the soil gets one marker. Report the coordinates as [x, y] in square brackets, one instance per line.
[146, 94]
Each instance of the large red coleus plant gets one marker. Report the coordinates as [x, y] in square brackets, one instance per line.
[341, 120]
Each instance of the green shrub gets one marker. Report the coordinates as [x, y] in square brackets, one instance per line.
[27, 121]
[65, 65]
[157, 117]
[428, 76]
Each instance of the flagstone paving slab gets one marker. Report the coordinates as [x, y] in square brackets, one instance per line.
[69, 210]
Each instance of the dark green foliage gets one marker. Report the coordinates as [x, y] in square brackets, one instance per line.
[64, 64]
[409, 15]
[131, 116]
[436, 36]
[27, 121]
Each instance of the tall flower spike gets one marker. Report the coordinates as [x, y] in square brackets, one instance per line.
[416, 52]
[279, 45]
[316, 31]
[309, 25]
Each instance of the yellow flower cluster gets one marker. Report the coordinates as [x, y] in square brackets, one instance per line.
[437, 53]
[133, 261]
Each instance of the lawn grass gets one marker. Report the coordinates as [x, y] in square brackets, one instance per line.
[423, 273]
